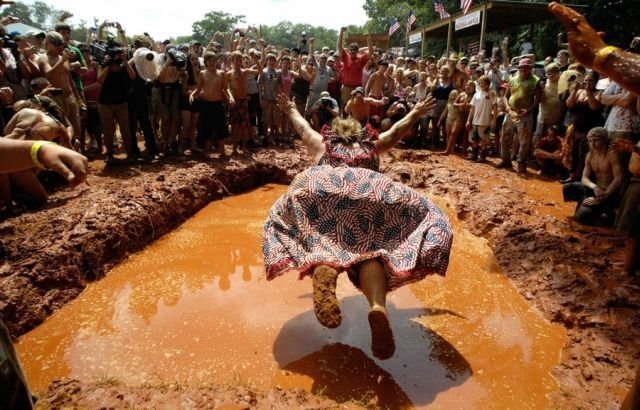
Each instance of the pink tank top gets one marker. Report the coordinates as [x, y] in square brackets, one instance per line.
[286, 82]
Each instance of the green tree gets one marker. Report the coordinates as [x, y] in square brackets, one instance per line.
[214, 21]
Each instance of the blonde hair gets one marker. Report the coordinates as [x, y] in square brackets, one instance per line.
[347, 129]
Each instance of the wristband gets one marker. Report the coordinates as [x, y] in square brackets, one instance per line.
[602, 55]
[35, 149]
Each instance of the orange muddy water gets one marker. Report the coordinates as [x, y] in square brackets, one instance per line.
[195, 308]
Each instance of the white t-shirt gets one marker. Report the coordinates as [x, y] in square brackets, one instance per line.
[482, 102]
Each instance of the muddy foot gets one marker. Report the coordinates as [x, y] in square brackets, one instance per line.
[325, 303]
[382, 343]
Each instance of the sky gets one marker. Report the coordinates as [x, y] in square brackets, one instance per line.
[175, 18]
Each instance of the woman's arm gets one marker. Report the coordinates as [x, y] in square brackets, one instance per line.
[310, 137]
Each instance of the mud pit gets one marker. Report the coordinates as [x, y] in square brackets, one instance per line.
[570, 276]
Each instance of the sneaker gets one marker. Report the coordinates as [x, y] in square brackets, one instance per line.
[325, 303]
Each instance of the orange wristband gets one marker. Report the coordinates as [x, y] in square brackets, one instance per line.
[602, 55]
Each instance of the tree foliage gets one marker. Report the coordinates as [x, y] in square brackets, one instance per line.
[212, 22]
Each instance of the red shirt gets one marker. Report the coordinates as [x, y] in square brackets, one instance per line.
[352, 69]
[550, 144]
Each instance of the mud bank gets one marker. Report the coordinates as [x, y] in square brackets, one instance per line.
[572, 275]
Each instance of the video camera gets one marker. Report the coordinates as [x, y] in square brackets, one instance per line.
[111, 48]
[9, 42]
[178, 58]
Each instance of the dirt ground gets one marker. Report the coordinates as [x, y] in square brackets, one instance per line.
[571, 274]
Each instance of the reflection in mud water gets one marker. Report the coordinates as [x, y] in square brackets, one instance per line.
[195, 308]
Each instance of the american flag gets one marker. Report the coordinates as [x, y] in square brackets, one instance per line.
[393, 26]
[411, 20]
[441, 11]
[465, 5]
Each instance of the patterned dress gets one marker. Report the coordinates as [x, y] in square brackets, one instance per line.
[342, 212]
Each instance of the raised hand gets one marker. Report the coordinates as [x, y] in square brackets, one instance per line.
[423, 106]
[584, 41]
[285, 104]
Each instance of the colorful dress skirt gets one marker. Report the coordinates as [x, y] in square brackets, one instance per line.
[342, 216]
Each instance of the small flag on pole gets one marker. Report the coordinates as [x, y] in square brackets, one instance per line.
[441, 10]
[411, 20]
[393, 26]
[465, 5]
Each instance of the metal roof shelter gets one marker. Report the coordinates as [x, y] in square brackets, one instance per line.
[495, 15]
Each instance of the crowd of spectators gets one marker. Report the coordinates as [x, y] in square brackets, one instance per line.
[555, 116]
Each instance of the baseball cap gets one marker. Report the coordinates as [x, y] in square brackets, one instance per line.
[357, 90]
[325, 94]
[525, 62]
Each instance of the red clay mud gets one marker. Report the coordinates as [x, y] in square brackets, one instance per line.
[571, 274]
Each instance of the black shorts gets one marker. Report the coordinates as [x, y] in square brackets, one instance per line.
[212, 122]
[185, 106]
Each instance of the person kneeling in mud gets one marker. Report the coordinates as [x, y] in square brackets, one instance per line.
[597, 193]
[34, 120]
[341, 214]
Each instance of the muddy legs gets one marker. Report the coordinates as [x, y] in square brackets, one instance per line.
[374, 286]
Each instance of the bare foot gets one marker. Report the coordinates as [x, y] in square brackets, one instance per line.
[383, 345]
[325, 303]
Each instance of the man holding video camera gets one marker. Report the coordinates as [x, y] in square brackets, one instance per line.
[115, 75]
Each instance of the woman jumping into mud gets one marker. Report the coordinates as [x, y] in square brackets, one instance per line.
[341, 214]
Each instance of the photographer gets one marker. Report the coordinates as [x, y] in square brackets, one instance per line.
[115, 76]
[55, 64]
[13, 70]
[166, 96]
[323, 111]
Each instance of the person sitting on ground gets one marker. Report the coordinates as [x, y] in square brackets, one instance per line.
[548, 152]
[343, 215]
[396, 111]
[597, 193]
[323, 111]
[359, 106]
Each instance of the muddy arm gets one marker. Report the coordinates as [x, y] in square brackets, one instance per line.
[310, 137]
[589, 49]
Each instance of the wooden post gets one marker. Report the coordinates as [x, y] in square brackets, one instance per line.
[422, 43]
[483, 26]
[449, 36]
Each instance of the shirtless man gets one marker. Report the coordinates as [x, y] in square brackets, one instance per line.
[239, 113]
[597, 193]
[56, 67]
[375, 85]
[359, 106]
[212, 90]
[375, 88]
